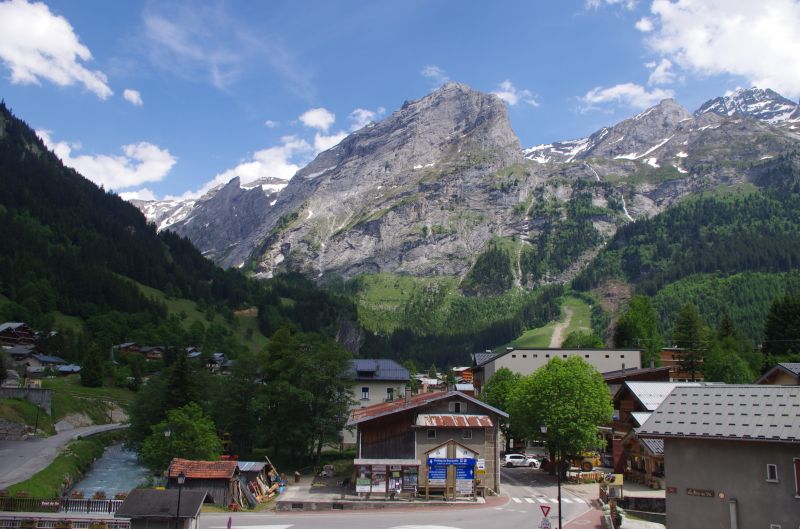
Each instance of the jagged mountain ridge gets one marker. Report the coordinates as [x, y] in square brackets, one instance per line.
[425, 190]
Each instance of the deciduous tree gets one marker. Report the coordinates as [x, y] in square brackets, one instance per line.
[568, 396]
[497, 392]
[192, 436]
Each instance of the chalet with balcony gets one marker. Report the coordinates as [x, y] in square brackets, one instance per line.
[16, 333]
[400, 445]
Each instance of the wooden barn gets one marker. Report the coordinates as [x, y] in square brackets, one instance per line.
[220, 479]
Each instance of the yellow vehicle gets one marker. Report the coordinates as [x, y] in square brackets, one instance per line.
[586, 461]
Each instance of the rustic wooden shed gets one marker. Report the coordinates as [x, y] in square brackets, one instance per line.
[220, 479]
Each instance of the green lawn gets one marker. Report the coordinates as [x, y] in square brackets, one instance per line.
[540, 337]
[24, 412]
[70, 397]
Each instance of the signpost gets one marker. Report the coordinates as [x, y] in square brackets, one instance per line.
[545, 510]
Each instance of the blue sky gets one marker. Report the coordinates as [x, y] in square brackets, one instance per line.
[167, 98]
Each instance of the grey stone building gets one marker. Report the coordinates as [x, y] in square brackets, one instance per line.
[732, 456]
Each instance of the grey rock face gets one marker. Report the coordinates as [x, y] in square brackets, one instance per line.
[425, 190]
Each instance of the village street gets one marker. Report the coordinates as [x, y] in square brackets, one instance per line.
[525, 491]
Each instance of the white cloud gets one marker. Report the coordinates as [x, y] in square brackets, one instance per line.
[280, 161]
[140, 194]
[759, 41]
[627, 94]
[323, 143]
[36, 44]
[318, 118]
[597, 4]
[644, 24]
[513, 95]
[141, 162]
[205, 41]
[435, 74]
[661, 72]
[361, 117]
[134, 97]
[271, 124]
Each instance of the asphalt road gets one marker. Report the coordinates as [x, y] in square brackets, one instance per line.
[19, 460]
[532, 490]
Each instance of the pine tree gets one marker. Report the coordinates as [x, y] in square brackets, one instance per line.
[688, 335]
[92, 368]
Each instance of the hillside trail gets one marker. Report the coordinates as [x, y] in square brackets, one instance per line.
[558, 330]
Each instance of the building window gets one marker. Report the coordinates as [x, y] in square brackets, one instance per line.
[365, 393]
[586, 356]
[513, 356]
[431, 434]
[547, 356]
[606, 356]
[524, 356]
[772, 473]
[622, 356]
[797, 477]
[467, 434]
[623, 366]
[536, 356]
[455, 407]
[389, 393]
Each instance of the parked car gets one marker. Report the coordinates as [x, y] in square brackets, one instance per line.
[520, 460]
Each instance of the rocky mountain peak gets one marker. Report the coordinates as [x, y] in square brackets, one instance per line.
[756, 103]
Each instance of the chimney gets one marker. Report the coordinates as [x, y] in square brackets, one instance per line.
[509, 349]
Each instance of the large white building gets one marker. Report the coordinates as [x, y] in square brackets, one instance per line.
[526, 361]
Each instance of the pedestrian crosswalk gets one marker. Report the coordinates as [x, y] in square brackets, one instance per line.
[544, 500]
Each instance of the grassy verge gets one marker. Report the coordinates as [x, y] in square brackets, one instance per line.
[540, 337]
[70, 397]
[24, 412]
[68, 466]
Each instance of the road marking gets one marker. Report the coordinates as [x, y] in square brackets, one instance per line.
[252, 526]
[579, 500]
[529, 500]
[566, 500]
[517, 500]
[541, 500]
[553, 500]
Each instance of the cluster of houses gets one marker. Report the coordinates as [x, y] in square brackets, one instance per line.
[215, 363]
[18, 342]
[719, 452]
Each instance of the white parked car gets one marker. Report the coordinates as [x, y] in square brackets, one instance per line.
[520, 460]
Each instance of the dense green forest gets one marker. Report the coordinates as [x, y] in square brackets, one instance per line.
[714, 234]
[745, 297]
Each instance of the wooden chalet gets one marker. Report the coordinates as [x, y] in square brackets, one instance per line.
[220, 479]
[672, 358]
[16, 333]
[783, 374]
[158, 509]
[407, 445]
[152, 352]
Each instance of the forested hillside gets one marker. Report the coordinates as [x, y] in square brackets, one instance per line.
[758, 231]
[72, 249]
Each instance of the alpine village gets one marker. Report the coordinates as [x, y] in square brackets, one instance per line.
[427, 319]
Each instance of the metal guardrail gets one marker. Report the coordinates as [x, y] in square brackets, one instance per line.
[32, 522]
[65, 505]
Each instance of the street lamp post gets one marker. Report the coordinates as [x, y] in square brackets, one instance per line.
[557, 463]
[181, 481]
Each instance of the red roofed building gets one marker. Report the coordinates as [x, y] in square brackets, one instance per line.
[219, 478]
[394, 441]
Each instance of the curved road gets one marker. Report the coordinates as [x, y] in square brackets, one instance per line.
[19, 460]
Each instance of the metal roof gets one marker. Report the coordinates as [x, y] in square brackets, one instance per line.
[654, 446]
[465, 387]
[792, 368]
[652, 394]
[20, 350]
[483, 358]
[360, 415]
[377, 369]
[640, 417]
[250, 466]
[454, 421]
[10, 325]
[48, 359]
[740, 412]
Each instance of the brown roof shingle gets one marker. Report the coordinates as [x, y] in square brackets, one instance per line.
[202, 469]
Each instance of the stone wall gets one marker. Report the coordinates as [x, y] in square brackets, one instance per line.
[14, 431]
[41, 397]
